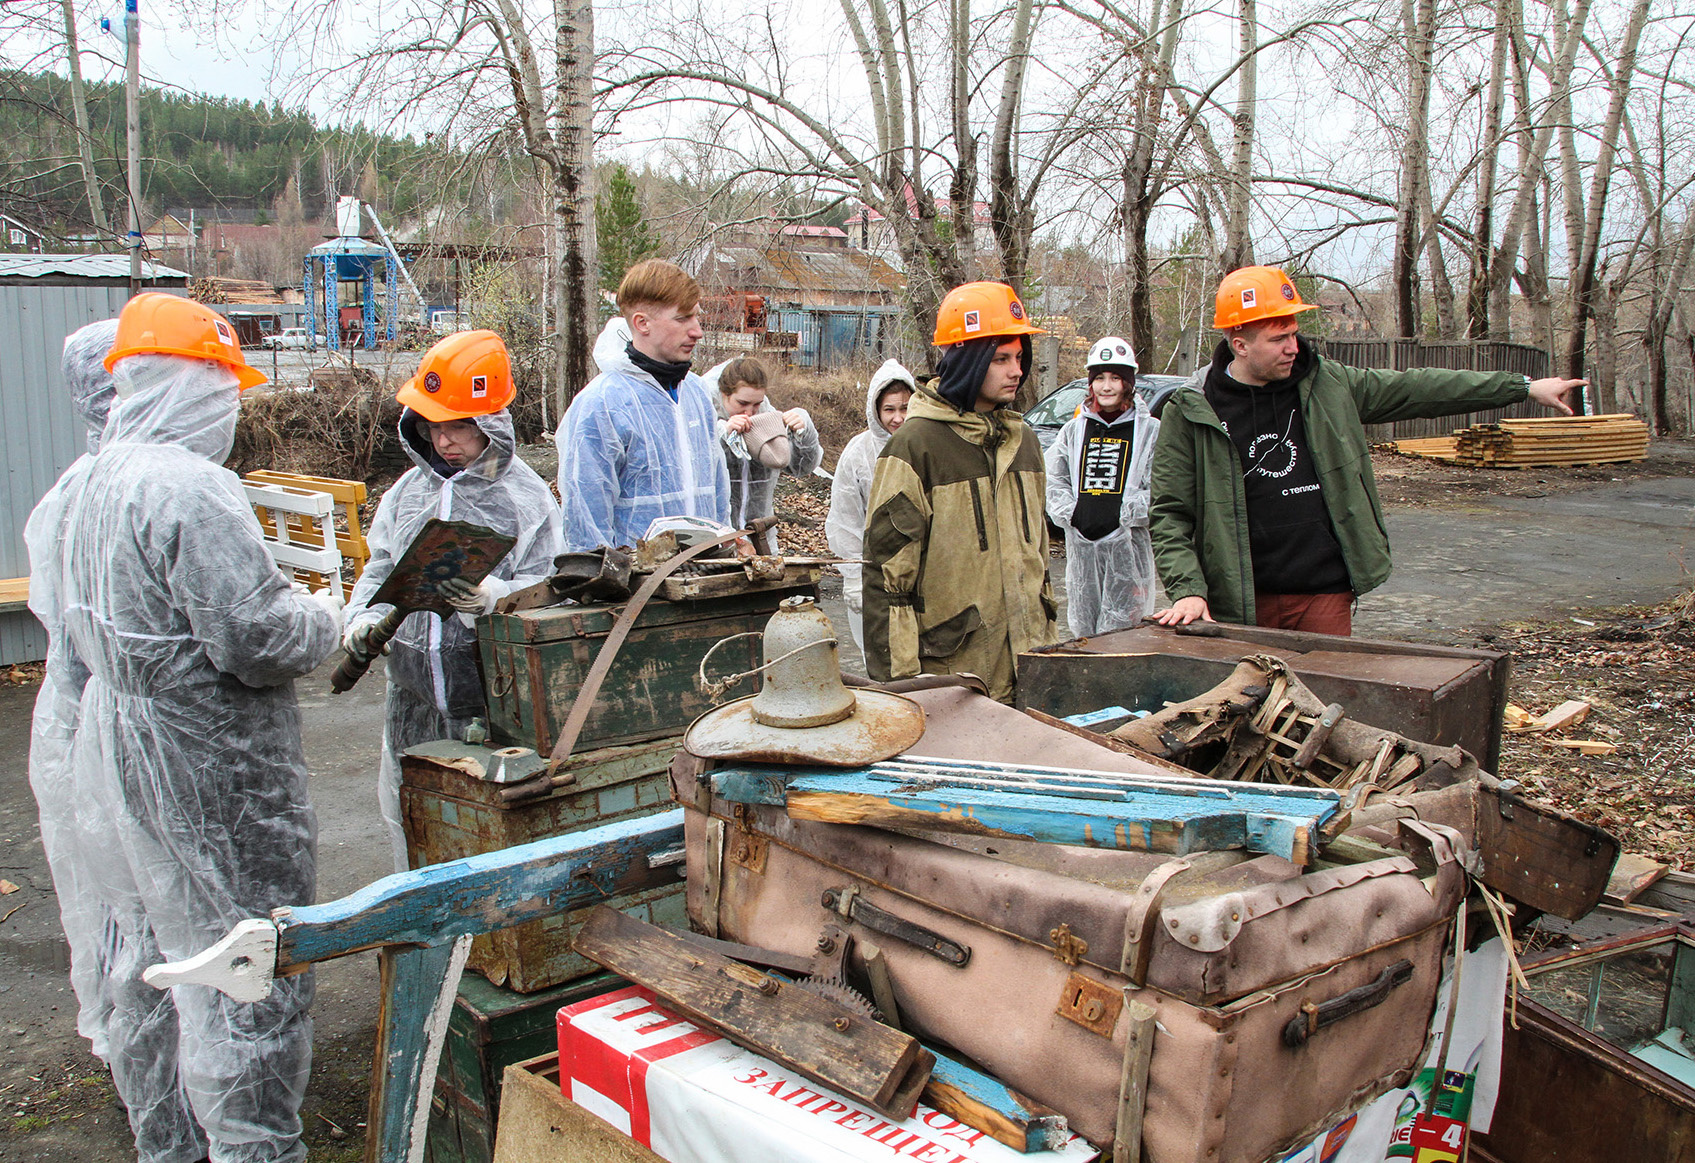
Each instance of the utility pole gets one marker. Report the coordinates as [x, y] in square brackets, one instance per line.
[132, 124]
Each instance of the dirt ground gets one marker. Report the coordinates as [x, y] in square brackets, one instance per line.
[1578, 572]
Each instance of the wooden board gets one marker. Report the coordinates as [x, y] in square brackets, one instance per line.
[1632, 876]
[14, 594]
[824, 1041]
[1545, 441]
[538, 1124]
[720, 585]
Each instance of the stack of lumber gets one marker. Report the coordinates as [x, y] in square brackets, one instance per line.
[1541, 441]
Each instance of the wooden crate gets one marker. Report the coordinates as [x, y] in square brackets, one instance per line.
[534, 662]
[349, 495]
[488, 1030]
[449, 812]
[543, 1126]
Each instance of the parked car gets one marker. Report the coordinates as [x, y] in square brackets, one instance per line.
[1049, 416]
[289, 337]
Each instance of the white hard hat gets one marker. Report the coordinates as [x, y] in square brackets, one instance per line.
[1111, 352]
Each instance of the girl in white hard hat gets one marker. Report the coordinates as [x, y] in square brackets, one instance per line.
[1098, 472]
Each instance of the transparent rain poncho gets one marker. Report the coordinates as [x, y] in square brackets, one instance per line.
[628, 453]
[1109, 582]
[187, 773]
[434, 686]
[86, 922]
[850, 492]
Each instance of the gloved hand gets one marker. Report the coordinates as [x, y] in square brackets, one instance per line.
[357, 641]
[467, 597]
[333, 604]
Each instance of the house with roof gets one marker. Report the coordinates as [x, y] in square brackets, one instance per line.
[870, 231]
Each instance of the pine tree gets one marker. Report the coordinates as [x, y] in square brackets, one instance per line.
[621, 231]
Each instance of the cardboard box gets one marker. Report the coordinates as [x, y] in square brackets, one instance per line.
[694, 1097]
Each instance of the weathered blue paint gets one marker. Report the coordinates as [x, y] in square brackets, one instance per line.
[480, 894]
[1053, 805]
[416, 981]
[1047, 1132]
[1104, 715]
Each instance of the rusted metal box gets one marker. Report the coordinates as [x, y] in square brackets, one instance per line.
[534, 661]
[1435, 694]
[449, 811]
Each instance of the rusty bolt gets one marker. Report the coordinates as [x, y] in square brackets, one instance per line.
[826, 944]
[841, 1024]
[768, 986]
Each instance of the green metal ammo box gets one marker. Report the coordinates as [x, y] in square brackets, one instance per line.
[448, 811]
[535, 660]
[488, 1030]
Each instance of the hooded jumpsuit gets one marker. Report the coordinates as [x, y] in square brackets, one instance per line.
[87, 924]
[629, 452]
[1109, 581]
[188, 774]
[434, 687]
[850, 492]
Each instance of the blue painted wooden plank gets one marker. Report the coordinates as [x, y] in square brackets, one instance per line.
[479, 894]
[1142, 818]
[955, 1089]
[418, 986]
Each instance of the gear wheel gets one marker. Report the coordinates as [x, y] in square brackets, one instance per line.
[841, 993]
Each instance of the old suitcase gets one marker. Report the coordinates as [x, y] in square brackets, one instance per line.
[448, 811]
[534, 660]
[1284, 999]
[1437, 694]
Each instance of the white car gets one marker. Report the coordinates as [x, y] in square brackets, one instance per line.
[288, 337]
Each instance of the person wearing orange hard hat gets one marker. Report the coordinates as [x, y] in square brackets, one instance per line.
[457, 430]
[185, 756]
[956, 544]
[1264, 509]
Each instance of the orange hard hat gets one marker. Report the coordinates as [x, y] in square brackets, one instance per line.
[1254, 293]
[977, 310]
[154, 323]
[467, 374]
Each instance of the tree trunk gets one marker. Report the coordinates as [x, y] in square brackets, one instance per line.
[1238, 242]
[79, 111]
[576, 299]
[1418, 18]
[1477, 286]
[1582, 280]
[1007, 213]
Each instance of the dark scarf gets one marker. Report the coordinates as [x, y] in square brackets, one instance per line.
[669, 375]
[964, 366]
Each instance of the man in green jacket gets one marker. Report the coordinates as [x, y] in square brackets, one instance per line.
[1264, 508]
[956, 543]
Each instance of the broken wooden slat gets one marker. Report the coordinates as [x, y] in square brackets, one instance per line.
[1568, 714]
[1583, 746]
[1050, 805]
[1133, 1084]
[985, 1104]
[812, 1035]
[1632, 876]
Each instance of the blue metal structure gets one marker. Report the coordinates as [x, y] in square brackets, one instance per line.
[349, 259]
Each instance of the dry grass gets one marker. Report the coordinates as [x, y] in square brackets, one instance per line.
[836, 400]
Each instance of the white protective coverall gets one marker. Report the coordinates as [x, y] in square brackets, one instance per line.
[850, 493]
[1109, 583]
[628, 453]
[87, 923]
[189, 778]
[434, 686]
[753, 486]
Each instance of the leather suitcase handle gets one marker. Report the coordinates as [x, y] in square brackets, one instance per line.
[1314, 1017]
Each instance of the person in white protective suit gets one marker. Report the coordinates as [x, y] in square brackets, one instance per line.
[759, 442]
[186, 763]
[1098, 475]
[886, 398]
[458, 432]
[86, 922]
[639, 441]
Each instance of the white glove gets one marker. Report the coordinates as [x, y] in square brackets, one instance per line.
[357, 640]
[333, 604]
[467, 597]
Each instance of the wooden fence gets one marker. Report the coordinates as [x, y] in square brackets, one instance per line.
[1400, 354]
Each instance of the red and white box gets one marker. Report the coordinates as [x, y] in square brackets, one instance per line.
[691, 1096]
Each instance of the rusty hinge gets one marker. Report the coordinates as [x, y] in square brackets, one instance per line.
[747, 848]
[1067, 946]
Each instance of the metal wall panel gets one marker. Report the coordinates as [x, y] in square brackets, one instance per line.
[42, 432]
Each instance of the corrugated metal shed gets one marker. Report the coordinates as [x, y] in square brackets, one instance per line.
[43, 298]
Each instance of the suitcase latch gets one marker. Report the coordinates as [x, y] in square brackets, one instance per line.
[747, 848]
[847, 902]
[1092, 1004]
[1067, 946]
